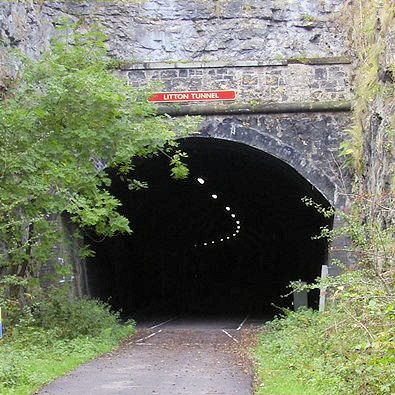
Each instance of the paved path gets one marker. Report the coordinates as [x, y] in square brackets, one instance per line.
[180, 356]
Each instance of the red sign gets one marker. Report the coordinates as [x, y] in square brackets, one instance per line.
[176, 97]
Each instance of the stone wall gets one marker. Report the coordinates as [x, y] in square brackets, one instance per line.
[308, 142]
[278, 82]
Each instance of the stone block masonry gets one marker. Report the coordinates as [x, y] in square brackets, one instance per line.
[278, 82]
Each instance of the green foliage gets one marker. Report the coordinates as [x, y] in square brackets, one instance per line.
[44, 345]
[347, 350]
[254, 102]
[346, 152]
[74, 317]
[179, 170]
[308, 18]
[66, 118]
[350, 348]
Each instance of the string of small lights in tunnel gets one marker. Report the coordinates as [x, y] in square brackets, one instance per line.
[237, 226]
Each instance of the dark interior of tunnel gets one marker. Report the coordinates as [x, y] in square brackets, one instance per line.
[189, 254]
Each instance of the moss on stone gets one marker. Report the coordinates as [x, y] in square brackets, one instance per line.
[368, 40]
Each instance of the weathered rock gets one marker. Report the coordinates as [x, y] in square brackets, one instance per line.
[180, 30]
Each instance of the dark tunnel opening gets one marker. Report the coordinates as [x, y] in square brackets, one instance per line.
[228, 246]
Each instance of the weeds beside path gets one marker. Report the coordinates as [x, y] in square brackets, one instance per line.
[307, 353]
[33, 354]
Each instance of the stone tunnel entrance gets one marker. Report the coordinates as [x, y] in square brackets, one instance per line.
[228, 239]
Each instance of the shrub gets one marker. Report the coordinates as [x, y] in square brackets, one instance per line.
[71, 317]
[349, 349]
[54, 336]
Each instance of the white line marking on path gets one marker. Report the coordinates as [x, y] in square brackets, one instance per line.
[147, 337]
[242, 323]
[162, 323]
[228, 334]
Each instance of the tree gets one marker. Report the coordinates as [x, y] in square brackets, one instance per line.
[66, 118]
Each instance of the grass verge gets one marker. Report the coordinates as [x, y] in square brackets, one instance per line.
[280, 357]
[326, 354]
[32, 355]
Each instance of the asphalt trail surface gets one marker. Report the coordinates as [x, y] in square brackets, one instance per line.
[173, 355]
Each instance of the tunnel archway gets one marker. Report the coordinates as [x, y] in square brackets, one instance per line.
[227, 240]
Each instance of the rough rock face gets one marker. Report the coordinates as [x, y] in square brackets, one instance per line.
[178, 30]
[378, 136]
